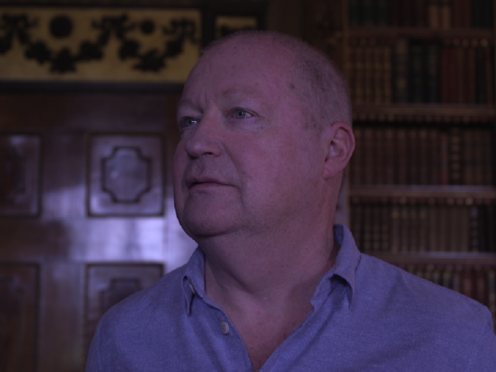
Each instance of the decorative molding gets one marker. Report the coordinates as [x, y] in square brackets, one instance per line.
[98, 44]
[125, 177]
[225, 25]
[19, 175]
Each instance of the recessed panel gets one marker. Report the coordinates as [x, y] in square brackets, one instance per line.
[125, 175]
[19, 175]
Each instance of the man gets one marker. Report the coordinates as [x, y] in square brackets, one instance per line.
[265, 138]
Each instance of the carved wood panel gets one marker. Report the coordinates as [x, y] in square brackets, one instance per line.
[19, 175]
[108, 284]
[18, 314]
[125, 175]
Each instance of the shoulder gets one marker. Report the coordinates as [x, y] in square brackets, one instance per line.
[159, 302]
[419, 301]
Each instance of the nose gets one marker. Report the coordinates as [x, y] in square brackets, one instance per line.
[204, 138]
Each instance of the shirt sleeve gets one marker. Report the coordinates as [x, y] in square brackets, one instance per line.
[92, 363]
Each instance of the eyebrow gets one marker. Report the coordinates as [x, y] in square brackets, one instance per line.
[241, 90]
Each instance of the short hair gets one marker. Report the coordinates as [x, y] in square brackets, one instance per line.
[323, 89]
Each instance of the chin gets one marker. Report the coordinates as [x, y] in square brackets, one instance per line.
[201, 227]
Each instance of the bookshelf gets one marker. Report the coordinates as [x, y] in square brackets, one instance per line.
[422, 182]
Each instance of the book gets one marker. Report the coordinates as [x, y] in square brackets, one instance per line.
[433, 13]
[432, 73]
[400, 71]
[445, 14]
[387, 74]
[455, 169]
[354, 10]
[416, 73]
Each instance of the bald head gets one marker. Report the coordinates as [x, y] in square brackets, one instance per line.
[317, 81]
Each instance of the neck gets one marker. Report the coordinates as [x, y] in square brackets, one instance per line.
[266, 289]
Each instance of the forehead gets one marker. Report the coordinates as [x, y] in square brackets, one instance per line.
[243, 65]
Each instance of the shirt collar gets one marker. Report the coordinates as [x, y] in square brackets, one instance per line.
[343, 271]
[193, 280]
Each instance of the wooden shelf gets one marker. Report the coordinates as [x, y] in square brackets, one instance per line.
[382, 32]
[449, 113]
[481, 259]
[451, 195]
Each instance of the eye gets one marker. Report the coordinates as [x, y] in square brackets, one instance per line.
[241, 114]
[187, 122]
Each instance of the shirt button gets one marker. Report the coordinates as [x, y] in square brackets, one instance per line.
[224, 328]
[192, 288]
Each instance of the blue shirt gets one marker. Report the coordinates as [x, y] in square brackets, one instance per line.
[367, 316]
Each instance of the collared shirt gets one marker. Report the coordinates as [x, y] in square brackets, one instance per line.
[367, 316]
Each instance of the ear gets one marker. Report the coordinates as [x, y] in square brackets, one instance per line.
[340, 143]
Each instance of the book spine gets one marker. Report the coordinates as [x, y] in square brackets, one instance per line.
[402, 158]
[395, 229]
[455, 170]
[385, 227]
[477, 14]
[378, 75]
[435, 153]
[376, 228]
[474, 229]
[457, 13]
[423, 157]
[489, 71]
[383, 16]
[388, 74]
[417, 57]
[464, 226]
[354, 9]
[467, 13]
[369, 71]
[470, 72]
[404, 228]
[445, 14]
[480, 76]
[479, 159]
[423, 228]
[368, 13]
[444, 159]
[468, 149]
[420, 13]
[447, 277]
[433, 13]
[401, 57]
[379, 157]
[369, 148]
[390, 156]
[359, 77]
[432, 72]
[487, 148]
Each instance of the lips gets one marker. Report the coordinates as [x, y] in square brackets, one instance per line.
[203, 181]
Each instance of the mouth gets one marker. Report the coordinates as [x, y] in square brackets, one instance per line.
[195, 182]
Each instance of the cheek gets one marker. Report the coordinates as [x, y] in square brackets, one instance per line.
[178, 166]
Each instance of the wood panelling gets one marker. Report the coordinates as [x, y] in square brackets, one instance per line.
[103, 256]
[19, 175]
[18, 316]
